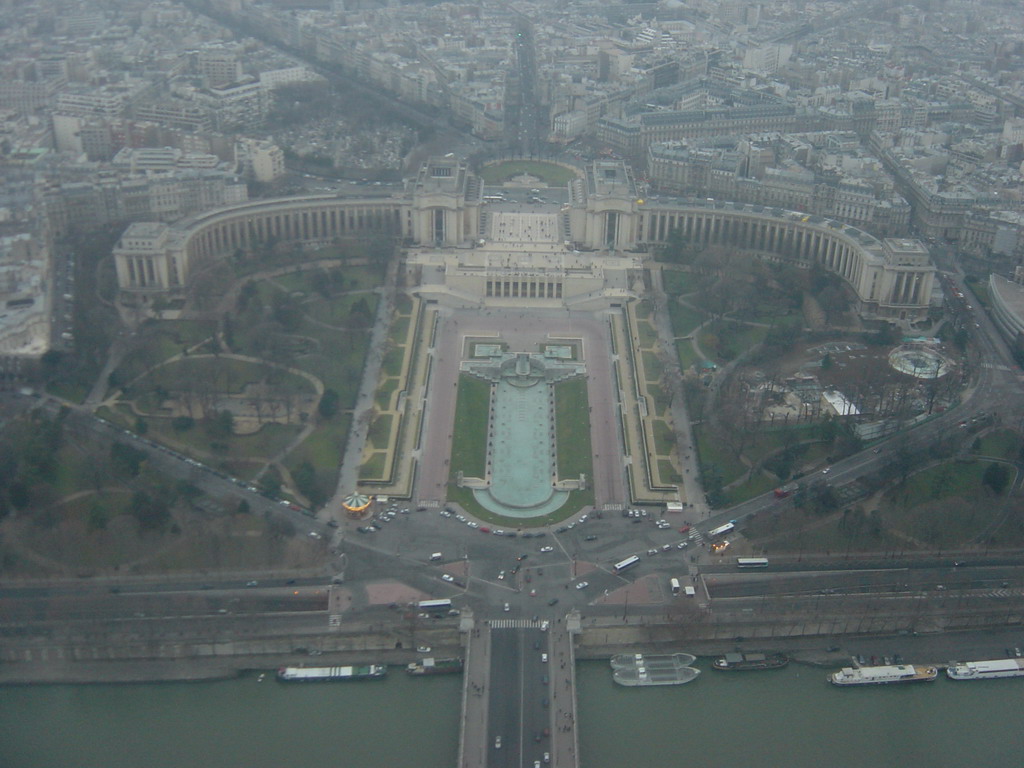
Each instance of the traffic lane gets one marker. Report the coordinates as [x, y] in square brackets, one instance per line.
[535, 695]
[858, 582]
[110, 607]
[504, 700]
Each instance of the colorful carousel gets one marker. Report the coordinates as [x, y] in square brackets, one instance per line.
[357, 505]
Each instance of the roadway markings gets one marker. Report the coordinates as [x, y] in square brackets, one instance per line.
[514, 624]
[334, 620]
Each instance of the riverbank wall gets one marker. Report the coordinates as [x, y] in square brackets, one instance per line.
[36, 664]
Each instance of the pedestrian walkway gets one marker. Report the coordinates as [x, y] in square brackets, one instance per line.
[514, 624]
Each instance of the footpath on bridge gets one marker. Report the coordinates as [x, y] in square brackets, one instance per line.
[475, 738]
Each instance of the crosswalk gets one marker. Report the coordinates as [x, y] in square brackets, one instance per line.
[514, 624]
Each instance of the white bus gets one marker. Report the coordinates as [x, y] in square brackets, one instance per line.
[674, 583]
[751, 562]
[435, 606]
[721, 530]
[629, 562]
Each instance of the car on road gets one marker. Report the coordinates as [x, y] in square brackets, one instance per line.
[547, 549]
[583, 585]
[447, 577]
[591, 537]
[460, 518]
[826, 470]
[252, 583]
[501, 575]
[652, 552]
[682, 545]
[553, 601]
[423, 649]
[445, 513]
[497, 742]
[472, 524]
[315, 535]
[544, 658]
[484, 529]
[506, 608]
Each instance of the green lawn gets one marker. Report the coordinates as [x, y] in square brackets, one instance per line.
[678, 283]
[684, 319]
[324, 448]
[748, 489]
[469, 438]
[391, 365]
[727, 340]
[1000, 444]
[384, 391]
[652, 366]
[380, 430]
[686, 354]
[549, 173]
[373, 467]
[572, 429]
[664, 437]
[660, 398]
[667, 472]
[713, 454]
[270, 440]
[221, 374]
[648, 336]
[72, 391]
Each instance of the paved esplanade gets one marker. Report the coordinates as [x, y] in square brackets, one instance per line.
[519, 695]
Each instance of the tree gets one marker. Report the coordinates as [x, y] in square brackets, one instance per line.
[222, 424]
[996, 477]
[270, 482]
[307, 483]
[126, 459]
[328, 405]
[152, 513]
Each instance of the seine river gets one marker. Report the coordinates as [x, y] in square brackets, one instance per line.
[782, 719]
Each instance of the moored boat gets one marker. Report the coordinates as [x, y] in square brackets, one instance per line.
[632, 660]
[750, 661]
[892, 673]
[327, 674]
[983, 670]
[429, 666]
[636, 669]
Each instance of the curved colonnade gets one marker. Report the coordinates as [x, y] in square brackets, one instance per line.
[156, 258]
[892, 278]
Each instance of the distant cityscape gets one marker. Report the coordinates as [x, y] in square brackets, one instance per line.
[902, 120]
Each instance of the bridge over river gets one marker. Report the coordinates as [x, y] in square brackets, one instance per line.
[519, 694]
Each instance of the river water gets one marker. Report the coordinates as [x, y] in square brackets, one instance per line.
[786, 718]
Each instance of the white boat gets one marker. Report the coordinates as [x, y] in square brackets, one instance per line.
[634, 669]
[891, 673]
[322, 674]
[982, 670]
[633, 660]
